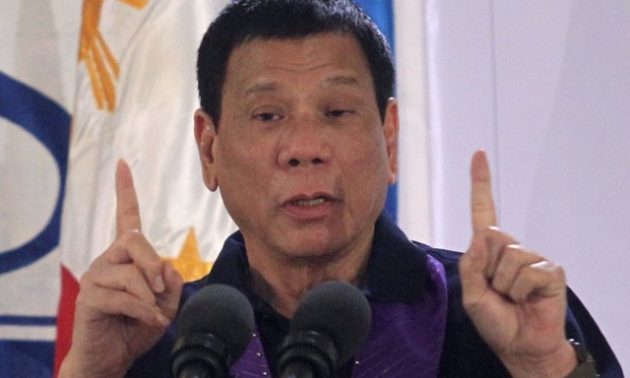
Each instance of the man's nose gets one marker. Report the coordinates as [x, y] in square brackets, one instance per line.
[305, 144]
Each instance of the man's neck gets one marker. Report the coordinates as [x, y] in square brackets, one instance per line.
[283, 281]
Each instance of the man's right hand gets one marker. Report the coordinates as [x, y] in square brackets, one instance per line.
[127, 298]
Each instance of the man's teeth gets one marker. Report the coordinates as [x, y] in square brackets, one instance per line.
[310, 202]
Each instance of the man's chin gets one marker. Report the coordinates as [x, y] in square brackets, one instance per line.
[312, 253]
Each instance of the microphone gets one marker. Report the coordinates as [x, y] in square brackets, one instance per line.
[328, 327]
[215, 326]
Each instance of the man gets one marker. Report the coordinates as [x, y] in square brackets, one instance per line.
[298, 130]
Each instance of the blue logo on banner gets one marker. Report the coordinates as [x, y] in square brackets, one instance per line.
[49, 123]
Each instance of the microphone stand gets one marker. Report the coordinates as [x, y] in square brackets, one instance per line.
[308, 354]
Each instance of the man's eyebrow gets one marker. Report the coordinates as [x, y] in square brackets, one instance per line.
[261, 87]
[269, 86]
[342, 80]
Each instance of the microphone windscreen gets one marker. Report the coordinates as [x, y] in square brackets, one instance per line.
[222, 311]
[339, 310]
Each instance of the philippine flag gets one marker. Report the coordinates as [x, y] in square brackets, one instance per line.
[135, 97]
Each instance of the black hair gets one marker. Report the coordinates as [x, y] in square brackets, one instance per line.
[245, 20]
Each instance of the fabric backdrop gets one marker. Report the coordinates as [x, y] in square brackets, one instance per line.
[542, 86]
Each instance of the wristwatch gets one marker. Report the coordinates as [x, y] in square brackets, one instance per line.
[586, 364]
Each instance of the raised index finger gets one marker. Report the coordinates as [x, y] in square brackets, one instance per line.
[127, 209]
[481, 202]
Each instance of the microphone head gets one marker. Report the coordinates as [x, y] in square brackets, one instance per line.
[222, 311]
[339, 310]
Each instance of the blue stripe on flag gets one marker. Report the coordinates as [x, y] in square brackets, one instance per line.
[50, 124]
[28, 320]
[382, 14]
[26, 358]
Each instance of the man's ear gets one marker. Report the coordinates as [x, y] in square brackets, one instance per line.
[390, 132]
[205, 136]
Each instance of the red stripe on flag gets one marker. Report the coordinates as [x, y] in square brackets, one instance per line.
[65, 317]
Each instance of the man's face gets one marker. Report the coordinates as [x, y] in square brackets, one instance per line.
[301, 156]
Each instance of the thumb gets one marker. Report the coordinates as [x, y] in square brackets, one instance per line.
[168, 300]
[472, 267]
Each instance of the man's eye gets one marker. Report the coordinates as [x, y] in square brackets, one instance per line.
[267, 117]
[339, 112]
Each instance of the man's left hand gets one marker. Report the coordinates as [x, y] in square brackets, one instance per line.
[515, 298]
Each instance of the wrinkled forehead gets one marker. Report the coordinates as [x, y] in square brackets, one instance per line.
[329, 58]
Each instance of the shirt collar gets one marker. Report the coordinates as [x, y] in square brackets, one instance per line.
[396, 270]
